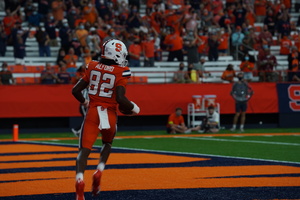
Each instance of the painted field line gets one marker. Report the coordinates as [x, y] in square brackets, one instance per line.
[175, 152]
[247, 141]
[170, 136]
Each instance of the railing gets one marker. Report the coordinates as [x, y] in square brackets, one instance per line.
[166, 77]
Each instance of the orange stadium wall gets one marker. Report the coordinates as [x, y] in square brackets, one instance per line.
[154, 99]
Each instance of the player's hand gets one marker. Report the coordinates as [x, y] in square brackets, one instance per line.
[86, 103]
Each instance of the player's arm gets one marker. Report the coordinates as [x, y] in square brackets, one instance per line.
[127, 107]
[76, 91]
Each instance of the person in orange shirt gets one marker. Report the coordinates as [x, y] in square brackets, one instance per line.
[250, 16]
[148, 50]
[224, 41]
[134, 53]
[174, 45]
[90, 13]
[260, 7]
[293, 70]
[176, 122]
[58, 9]
[202, 44]
[247, 66]
[285, 45]
[71, 59]
[228, 74]
[82, 34]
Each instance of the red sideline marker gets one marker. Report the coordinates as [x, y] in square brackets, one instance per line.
[15, 132]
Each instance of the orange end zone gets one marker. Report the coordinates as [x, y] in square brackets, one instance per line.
[130, 171]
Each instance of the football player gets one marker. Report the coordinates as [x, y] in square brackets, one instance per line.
[106, 81]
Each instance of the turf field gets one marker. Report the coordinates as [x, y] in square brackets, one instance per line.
[256, 164]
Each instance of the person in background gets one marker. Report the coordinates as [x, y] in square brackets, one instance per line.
[43, 40]
[6, 76]
[179, 76]
[228, 74]
[294, 61]
[135, 51]
[210, 123]
[192, 76]
[176, 123]
[64, 76]
[241, 93]
[174, 44]
[3, 40]
[247, 66]
[266, 63]
[71, 59]
[48, 76]
[148, 49]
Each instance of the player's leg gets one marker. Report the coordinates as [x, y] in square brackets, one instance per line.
[107, 139]
[236, 116]
[243, 116]
[87, 138]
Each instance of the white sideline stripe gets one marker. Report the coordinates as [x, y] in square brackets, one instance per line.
[161, 151]
[248, 141]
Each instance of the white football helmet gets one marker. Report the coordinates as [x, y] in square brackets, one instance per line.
[116, 50]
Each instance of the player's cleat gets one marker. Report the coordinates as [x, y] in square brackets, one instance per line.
[76, 133]
[79, 189]
[96, 182]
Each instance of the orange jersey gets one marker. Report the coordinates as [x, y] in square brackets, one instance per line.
[148, 48]
[174, 41]
[260, 7]
[103, 81]
[224, 41]
[285, 46]
[247, 66]
[174, 119]
[228, 75]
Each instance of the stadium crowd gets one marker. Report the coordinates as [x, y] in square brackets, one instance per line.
[184, 28]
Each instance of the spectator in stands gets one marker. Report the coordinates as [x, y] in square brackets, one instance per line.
[265, 37]
[86, 54]
[285, 45]
[76, 45]
[93, 40]
[294, 70]
[191, 47]
[224, 21]
[207, 17]
[210, 123]
[90, 13]
[148, 49]
[174, 45]
[19, 50]
[111, 34]
[71, 59]
[60, 57]
[236, 40]
[224, 37]
[270, 21]
[65, 34]
[247, 65]
[179, 76]
[28, 9]
[134, 19]
[213, 45]
[266, 63]
[260, 7]
[176, 123]
[43, 8]
[58, 7]
[6, 76]
[3, 40]
[43, 40]
[228, 74]
[48, 75]
[241, 93]
[240, 13]
[34, 18]
[50, 26]
[9, 21]
[297, 6]
[284, 26]
[81, 34]
[192, 76]
[202, 43]
[134, 53]
[72, 16]
[64, 76]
